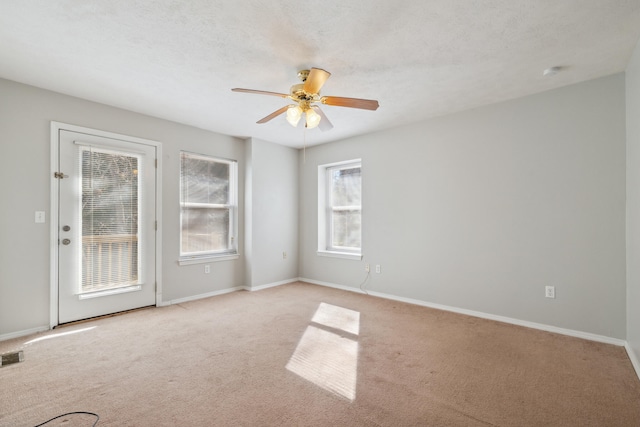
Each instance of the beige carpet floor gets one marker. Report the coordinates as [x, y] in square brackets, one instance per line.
[306, 355]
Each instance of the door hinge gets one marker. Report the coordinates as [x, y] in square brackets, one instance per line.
[156, 226]
[60, 175]
[156, 163]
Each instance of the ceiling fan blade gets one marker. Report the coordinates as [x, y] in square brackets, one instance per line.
[273, 115]
[365, 104]
[260, 92]
[324, 124]
[315, 80]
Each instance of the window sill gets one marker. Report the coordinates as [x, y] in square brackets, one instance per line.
[343, 255]
[206, 259]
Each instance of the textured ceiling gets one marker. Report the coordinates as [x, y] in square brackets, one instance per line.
[178, 59]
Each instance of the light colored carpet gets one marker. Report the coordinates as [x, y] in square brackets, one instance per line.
[306, 355]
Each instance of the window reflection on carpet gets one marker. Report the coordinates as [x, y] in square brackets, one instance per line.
[327, 354]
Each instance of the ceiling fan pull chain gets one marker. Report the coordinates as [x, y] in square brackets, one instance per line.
[304, 146]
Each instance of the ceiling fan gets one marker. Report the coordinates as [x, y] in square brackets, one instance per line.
[305, 95]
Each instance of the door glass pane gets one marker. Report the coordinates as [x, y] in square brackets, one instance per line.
[346, 228]
[110, 208]
[205, 229]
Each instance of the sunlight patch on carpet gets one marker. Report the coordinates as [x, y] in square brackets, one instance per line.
[327, 357]
[60, 334]
[338, 318]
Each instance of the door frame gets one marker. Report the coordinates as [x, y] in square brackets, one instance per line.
[56, 127]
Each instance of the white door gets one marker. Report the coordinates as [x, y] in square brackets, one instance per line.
[106, 225]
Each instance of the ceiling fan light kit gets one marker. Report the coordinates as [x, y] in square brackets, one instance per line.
[294, 113]
[307, 93]
[313, 119]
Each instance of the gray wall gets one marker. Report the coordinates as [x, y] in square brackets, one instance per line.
[480, 210]
[633, 204]
[25, 116]
[271, 218]
[272, 213]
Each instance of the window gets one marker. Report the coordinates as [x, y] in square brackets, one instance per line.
[340, 209]
[208, 208]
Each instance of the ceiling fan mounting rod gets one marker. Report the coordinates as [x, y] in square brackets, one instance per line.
[303, 74]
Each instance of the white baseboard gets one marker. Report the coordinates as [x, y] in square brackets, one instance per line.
[226, 291]
[578, 334]
[270, 285]
[333, 285]
[503, 319]
[19, 334]
[26, 332]
[201, 296]
[634, 358]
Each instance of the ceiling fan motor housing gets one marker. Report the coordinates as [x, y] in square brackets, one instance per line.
[298, 94]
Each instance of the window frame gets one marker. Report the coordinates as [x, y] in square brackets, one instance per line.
[231, 252]
[326, 209]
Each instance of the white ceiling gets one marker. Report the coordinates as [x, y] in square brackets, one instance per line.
[178, 59]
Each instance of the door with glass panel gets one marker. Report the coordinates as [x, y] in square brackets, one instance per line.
[106, 230]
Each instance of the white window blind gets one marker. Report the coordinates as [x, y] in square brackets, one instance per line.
[110, 218]
[208, 206]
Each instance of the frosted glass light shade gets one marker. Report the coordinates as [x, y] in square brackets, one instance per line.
[294, 113]
[313, 118]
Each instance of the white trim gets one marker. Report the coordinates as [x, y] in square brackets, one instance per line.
[158, 259]
[333, 285]
[634, 359]
[228, 291]
[271, 285]
[26, 332]
[206, 259]
[343, 255]
[201, 296]
[56, 127]
[107, 292]
[503, 319]
[53, 229]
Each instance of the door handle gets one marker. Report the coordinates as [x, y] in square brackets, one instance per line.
[66, 241]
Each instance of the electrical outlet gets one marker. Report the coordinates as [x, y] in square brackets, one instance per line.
[207, 269]
[367, 268]
[378, 268]
[40, 217]
[550, 291]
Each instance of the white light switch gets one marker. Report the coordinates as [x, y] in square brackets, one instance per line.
[40, 217]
